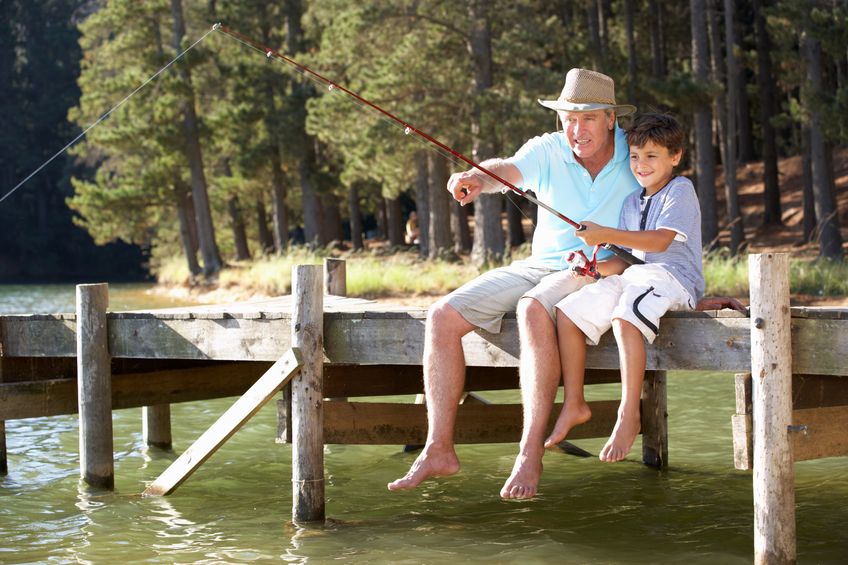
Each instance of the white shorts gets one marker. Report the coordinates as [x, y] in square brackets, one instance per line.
[484, 300]
[641, 295]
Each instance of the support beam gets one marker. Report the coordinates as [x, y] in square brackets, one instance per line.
[4, 465]
[229, 423]
[335, 277]
[655, 420]
[94, 385]
[156, 426]
[307, 390]
[771, 373]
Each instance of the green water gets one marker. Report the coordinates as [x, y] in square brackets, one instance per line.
[237, 507]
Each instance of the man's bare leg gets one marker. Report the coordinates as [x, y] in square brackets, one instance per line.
[540, 371]
[444, 380]
[631, 353]
[575, 410]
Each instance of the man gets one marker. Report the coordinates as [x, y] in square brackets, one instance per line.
[583, 172]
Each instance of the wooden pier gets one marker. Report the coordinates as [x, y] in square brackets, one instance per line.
[795, 406]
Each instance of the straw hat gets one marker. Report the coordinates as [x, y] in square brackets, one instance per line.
[585, 91]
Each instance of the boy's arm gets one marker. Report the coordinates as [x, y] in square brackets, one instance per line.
[652, 241]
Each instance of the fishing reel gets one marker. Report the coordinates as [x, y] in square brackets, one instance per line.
[582, 265]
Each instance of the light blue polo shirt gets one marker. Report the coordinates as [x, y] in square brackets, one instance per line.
[549, 169]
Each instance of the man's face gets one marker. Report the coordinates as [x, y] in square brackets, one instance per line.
[588, 133]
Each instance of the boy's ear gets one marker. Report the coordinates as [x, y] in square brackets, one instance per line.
[675, 159]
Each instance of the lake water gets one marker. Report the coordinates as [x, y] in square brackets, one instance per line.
[236, 508]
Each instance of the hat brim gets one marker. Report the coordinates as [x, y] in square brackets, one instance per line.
[562, 105]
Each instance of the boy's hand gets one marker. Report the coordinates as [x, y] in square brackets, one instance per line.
[591, 233]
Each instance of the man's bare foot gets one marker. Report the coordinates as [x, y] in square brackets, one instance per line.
[622, 438]
[569, 417]
[524, 480]
[432, 462]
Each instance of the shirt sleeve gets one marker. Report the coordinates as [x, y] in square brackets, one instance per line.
[679, 211]
[532, 162]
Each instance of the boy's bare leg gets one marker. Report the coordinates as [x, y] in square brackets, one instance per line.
[575, 410]
[631, 353]
[444, 380]
[539, 370]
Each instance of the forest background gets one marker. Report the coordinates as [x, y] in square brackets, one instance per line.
[228, 155]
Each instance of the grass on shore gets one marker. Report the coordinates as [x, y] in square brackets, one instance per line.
[403, 273]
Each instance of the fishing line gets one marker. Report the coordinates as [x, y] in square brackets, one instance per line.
[105, 115]
[364, 105]
[622, 253]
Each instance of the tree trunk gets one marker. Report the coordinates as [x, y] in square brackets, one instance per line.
[595, 43]
[632, 79]
[766, 87]
[809, 201]
[734, 215]
[830, 240]
[459, 225]
[422, 203]
[279, 210]
[205, 227]
[187, 237]
[266, 241]
[440, 201]
[515, 217]
[237, 221]
[300, 140]
[382, 219]
[394, 219]
[657, 40]
[239, 234]
[488, 230]
[704, 160]
[333, 230]
[718, 75]
[355, 214]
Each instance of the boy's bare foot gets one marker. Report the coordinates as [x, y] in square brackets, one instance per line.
[524, 480]
[432, 462]
[622, 438]
[569, 417]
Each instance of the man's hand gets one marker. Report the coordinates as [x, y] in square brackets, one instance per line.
[465, 186]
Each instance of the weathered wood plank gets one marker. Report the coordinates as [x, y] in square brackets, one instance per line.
[94, 386]
[771, 373]
[813, 391]
[391, 423]
[655, 420]
[131, 390]
[307, 395]
[825, 433]
[229, 423]
[743, 442]
[687, 342]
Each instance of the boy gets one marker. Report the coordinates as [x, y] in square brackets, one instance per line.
[662, 225]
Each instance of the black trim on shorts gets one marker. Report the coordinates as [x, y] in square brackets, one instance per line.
[641, 316]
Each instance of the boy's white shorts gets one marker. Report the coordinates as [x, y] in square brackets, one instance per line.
[641, 295]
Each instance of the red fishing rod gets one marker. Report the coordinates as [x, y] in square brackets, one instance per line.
[409, 128]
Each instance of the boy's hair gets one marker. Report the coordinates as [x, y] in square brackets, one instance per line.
[662, 129]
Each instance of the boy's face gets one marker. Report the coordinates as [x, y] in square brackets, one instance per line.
[653, 165]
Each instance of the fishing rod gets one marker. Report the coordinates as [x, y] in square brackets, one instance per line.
[408, 128]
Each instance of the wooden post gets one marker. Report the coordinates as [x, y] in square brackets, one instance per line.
[335, 277]
[307, 396]
[771, 370]
[156, 425]
[4, 465]
[655, 420]
[94, 386]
